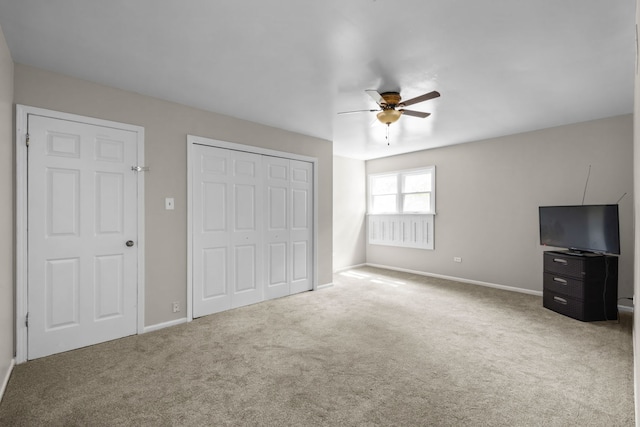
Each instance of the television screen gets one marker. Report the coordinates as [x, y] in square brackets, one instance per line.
[591, 228]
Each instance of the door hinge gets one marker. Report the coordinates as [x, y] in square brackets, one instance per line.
[27, 140]
[26, 322]
[140, 168]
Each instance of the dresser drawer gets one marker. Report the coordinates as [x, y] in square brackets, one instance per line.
[564, 285]
[564, 265]
[576, 308]
[564, 305]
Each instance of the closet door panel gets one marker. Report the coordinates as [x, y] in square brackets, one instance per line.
[247, 284]
[211, 259]
[277, 224]
[301, 185]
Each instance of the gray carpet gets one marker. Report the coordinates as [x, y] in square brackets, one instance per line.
[378, 348]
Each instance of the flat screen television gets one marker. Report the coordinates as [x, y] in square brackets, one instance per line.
[588, 228]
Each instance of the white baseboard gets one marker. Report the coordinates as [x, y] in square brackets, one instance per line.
[326, 285]
[349, 268]
[624, 308]
[163, 325]
[460, 279]
[5, 381]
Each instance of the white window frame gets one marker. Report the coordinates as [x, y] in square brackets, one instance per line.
[431, 170]
[399, 228]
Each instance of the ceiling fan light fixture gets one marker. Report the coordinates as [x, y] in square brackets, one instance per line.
[387, 117]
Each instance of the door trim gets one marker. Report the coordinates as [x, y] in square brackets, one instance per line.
[21, 297]
[193, 140]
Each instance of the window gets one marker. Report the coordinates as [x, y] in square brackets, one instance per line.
[402, 206]
[384, 193]
[403, 192]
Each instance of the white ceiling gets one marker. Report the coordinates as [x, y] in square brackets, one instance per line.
[502, 66]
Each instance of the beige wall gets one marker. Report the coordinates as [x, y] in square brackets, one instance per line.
[6, 210]
[166, 127]
[349, 208]
[488, 193]
[636, 181]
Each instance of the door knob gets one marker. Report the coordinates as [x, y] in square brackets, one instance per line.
[129, 243]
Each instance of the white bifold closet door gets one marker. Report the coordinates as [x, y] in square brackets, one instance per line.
[227, 230]
[252, 228]
[288, 226]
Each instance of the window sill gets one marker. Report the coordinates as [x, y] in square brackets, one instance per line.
[402, 214]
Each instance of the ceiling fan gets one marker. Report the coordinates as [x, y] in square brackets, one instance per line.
[392, 106]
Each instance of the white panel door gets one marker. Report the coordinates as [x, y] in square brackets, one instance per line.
[211, 230]
[277, 227]
[252, 225]
[247, 284]
[82, 198]
[288, 226]
[301, 178]
[227, 235]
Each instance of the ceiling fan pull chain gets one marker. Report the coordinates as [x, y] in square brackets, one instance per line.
[388, 134]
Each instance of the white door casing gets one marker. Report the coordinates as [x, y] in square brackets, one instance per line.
[77, 278]
[286, 241]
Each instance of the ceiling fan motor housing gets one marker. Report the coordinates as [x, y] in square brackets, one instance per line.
[391, 99]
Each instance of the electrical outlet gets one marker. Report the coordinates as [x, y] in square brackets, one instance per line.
[176, 306]
[457, 259]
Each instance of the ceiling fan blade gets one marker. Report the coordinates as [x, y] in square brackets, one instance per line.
[415, 113]
[375, 96]
[421, 98]
[357, 111]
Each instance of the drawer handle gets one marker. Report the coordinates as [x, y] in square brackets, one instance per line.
[560, 261]
[560, 300]
[559, 280]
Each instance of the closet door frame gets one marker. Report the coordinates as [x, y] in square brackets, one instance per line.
[197, 140]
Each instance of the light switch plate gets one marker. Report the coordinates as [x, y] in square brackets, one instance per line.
[169, 203]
